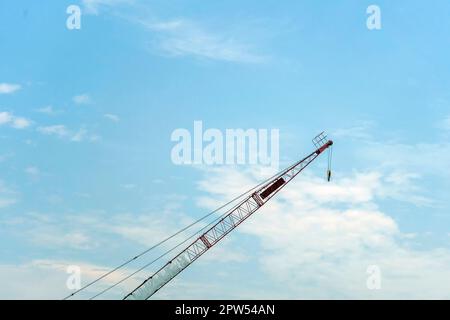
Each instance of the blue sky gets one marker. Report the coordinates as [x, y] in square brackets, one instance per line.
[86, 117]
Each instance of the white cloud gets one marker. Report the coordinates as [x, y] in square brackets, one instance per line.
[82, 99]
[20, 123]
[47, 110]
[57, 130]
[80, 135]
[3, 157]
[6, 88]
[94, 6]
[148, 229]
[112, 117]
[405, 165]
[33, 172]
[181, 37]
[47, 278]
[88, 231]
[318, 239]
[62, 131]
[185, 38]
[7, 196]
[426, 158]
[7, 118]
[141, 229]
[445, 124]
[228, 252]
[6, 202]
[395, 155]
[48, 231]
[54, 238]
[360, 131]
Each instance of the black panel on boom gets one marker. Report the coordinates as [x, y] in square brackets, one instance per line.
[274, 187]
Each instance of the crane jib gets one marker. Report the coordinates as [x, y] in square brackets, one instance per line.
[324, 147]
[224, 226]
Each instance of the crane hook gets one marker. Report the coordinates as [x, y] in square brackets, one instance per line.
[330, 157]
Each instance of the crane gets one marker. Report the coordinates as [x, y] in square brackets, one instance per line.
[235, 216]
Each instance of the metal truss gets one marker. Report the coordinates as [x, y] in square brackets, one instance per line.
[234, 218]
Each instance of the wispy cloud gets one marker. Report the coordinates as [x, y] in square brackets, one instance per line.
[54, 238]
[429, 158]
[89, 230]
[3, 157]
[56, 130]
[49, 278]
[61, 131]
[183, 37]
[128, 186]
[7, 88]
[33, 172]
[94, 6]
[444, 124]
[361, 131]
[7, 118]
[82, 99]
[20, 123]
[112, 117]
[49, 110]
[186, 38]
[45, 230]
[7, 196]
[80, 135]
